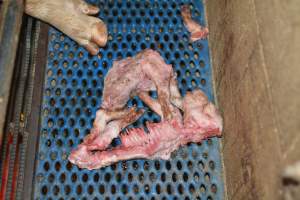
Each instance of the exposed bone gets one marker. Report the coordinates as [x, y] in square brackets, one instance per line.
[96, 141]
[138, 75]
[201, 121]
[112, 130]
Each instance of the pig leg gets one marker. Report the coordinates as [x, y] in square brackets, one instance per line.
[175, 98]
[152, 103]
[83, 154]
[102, 141]
[104, 116]
[71, 17]
[151, 69]
[112, 131]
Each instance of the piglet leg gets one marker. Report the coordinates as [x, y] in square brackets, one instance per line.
[105, 116]
[175, 98]
[152, 103]
[111, 131]
[96, 141]
[161, 85]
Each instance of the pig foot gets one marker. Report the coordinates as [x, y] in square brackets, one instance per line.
[72, 18]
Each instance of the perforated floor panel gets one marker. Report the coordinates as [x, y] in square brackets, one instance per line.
[72, 94]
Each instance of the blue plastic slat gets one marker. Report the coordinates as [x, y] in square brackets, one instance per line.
[72, 94]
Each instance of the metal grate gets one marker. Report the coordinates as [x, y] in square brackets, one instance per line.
[72, 94]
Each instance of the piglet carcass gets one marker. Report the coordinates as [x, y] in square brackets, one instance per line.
[143, 73]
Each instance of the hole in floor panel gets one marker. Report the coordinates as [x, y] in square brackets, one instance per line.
[74, 85]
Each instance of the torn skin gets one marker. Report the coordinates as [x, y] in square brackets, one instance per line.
[197, 31]
[101, 140]
[200, 121]
[138, 76]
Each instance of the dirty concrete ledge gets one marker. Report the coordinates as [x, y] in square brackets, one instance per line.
[255, 48]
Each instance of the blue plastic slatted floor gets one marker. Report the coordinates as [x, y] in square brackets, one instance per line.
[72, 94]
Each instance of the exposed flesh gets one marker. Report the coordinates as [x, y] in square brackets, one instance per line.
[199, 121]
[197, 31]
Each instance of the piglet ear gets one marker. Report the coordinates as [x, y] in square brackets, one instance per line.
[86, 8]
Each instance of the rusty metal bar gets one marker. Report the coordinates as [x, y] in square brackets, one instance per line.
[11, 12]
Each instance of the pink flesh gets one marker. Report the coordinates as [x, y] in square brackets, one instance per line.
[128, 77]
[142, 73]
[197, 31]
[137, 76]
[200, 121]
